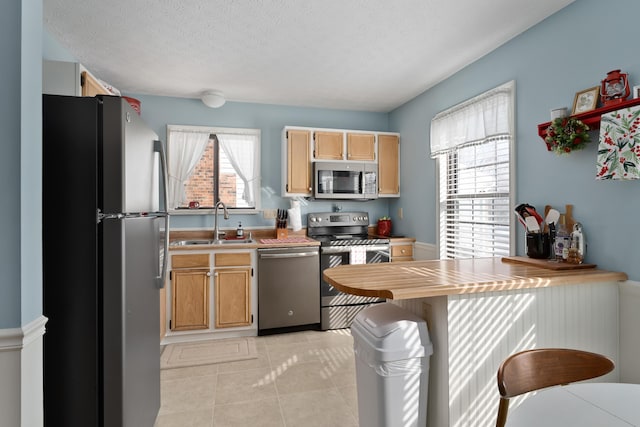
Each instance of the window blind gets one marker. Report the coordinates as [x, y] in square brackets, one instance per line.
[474, 188]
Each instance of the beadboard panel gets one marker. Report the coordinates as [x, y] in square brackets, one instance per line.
[472, 334]
[629, 332]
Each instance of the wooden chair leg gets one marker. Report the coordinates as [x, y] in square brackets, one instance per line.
[503, 409]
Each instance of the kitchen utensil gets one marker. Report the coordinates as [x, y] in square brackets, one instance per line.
[532, 224]
[552, 217]
[523, 211]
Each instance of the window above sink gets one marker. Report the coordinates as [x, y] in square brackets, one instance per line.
[211, 164]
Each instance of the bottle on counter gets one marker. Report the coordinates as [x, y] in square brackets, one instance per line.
[562, 240]
[578, 245]
[239, 231]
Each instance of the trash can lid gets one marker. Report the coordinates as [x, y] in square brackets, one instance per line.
[392, 332]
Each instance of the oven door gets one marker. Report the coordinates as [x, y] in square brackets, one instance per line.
[333, 256]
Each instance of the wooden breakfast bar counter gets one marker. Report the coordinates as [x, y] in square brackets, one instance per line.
[420, 279]
[480, 311]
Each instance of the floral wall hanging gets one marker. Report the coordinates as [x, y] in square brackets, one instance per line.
[566, 134]
[619, 145]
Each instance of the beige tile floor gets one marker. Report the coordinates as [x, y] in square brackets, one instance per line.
[299, 379]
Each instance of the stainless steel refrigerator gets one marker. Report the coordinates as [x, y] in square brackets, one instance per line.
[104, 257]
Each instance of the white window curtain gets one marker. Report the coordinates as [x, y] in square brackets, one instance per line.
[184, 151]
[472, 144]
[240, 151]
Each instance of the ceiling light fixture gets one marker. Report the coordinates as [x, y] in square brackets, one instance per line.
[213, 99]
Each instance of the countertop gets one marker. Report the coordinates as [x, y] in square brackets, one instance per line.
[420, 279]
[258, 236]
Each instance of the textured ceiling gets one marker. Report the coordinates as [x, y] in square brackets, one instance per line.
[370, 55]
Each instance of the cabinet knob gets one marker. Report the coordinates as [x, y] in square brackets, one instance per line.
[290, 313]
[402, 250]
[208, 274]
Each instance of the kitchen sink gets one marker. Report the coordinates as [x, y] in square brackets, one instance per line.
[208, 242]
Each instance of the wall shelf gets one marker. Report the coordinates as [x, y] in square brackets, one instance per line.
[592, 118]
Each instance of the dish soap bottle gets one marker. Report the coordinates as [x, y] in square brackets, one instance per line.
[240, 231]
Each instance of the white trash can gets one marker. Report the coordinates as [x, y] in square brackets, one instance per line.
[392, 351]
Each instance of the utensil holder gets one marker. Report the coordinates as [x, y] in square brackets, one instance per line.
[538, 245]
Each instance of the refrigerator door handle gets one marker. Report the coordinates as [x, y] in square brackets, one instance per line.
[159, 148]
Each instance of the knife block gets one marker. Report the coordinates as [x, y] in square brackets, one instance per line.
[282, 233]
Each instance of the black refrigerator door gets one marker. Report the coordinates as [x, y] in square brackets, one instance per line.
[71, 295]
[131, 308]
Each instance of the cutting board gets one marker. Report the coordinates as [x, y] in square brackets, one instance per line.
[568, 216]
[546, 263]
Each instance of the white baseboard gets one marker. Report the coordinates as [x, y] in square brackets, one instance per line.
[21, 393]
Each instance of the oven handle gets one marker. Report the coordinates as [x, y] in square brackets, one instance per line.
[346, 249]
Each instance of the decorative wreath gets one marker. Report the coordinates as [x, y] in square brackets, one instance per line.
[566, 134]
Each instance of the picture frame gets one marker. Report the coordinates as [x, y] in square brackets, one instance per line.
[585, 100]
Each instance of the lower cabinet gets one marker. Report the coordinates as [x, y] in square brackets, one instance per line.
[232, 283]
[401, 250]
[200, 304]
[190, 282]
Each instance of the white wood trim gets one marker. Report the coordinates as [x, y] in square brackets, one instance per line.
[21, 394]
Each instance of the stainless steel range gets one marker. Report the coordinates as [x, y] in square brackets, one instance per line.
[344, 239]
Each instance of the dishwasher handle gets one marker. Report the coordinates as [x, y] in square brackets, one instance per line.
[289, 255]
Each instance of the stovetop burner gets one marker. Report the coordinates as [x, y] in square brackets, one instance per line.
[341, 229]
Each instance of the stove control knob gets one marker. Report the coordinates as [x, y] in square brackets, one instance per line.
[312, 219]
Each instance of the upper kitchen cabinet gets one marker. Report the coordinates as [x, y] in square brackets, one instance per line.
[296, 165]
[70, 78]
[388, 165]
[361, 146]
[302, 147]
[328, 145]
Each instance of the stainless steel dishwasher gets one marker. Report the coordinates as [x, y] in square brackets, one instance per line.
[288, 289]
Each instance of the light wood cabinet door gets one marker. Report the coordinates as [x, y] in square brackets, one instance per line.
[90, 86]
[190, 299]
[328, 145]
[361, 146]
[388, 165]
[233, 297]
[298, 162]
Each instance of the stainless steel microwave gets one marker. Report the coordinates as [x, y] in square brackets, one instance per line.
[345, 180]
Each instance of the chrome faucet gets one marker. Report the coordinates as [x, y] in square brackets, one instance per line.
[216, 238]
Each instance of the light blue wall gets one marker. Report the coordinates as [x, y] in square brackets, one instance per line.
[568, 52]
[10, 165]
[20, 163]
[159, 111]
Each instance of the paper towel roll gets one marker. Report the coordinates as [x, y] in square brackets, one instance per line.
[295, 219]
